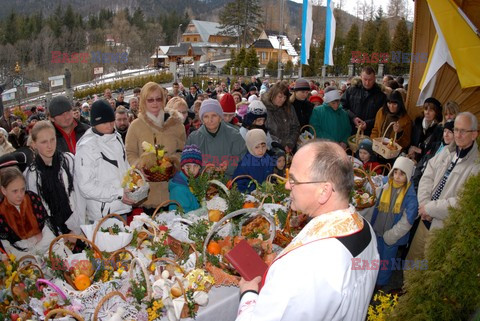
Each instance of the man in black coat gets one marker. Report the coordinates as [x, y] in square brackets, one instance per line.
[68, 130]
[363, 101]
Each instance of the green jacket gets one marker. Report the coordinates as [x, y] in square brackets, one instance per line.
[331, 124]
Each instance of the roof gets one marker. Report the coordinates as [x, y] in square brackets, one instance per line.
[205, 29]
[162, 52]
[286, 44]
[182, 50]
[262, 43]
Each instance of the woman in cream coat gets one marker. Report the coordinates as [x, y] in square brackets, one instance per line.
[154, 124]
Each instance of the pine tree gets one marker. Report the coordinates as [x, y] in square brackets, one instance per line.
[368, 39]
[400, 47]
[239, 60]
[289, 68]
[382, 43]
[241, 19]
[352, 45]
[11, 29]
[69, 18]
[251, 61]
[312, 62]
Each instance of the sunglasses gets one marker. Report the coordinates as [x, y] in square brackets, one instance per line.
[152, 100]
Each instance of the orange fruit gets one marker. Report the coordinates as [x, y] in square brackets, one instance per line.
[213, 248]
[248, 205]
[82, 282]
[214, 215]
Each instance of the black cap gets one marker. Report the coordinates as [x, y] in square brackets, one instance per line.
[58, 105]
[101, 112]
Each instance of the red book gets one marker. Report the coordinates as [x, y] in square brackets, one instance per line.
[246, 261]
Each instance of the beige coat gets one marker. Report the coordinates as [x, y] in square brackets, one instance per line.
[436, 167]
[171, 136]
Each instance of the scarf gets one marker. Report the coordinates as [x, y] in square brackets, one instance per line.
[385, 199]
[23, 223]
[157, 120]
[426, 126]
[52, 190]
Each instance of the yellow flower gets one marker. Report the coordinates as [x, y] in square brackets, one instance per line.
[12, 257]
[160, 153]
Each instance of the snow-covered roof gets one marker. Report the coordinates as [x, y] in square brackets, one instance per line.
[286, 44]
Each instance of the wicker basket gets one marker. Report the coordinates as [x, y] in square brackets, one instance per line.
[99, 224]
[19, 273]
[105, 299]
[362, 173]
[66, 274]
[380, 145]
[354, 140]
[244, 176]
[54, 313]
[160, 177]
[221, 277]
[142, 192]
[305, 136]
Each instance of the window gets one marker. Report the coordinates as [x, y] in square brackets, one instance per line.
[263, 55]
[188, 39]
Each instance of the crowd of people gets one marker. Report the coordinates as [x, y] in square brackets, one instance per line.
[64, 167]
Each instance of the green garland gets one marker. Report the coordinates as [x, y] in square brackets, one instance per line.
[449, 289]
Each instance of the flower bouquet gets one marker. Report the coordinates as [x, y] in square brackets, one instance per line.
[155, 164]
[135, 182]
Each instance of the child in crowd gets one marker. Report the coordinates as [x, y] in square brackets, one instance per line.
[279, 155]
[366, 155]
[191, 162]
[394, 214]
[256, 162]
[23, 219]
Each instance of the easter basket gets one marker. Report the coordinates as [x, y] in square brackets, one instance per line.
[386, 147]
[362, 197]
[306, 135]
[222, 272]
[354, 140]
[135, 182]
[155, 164]
[110, 233]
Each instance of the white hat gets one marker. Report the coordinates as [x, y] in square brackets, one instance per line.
[330, 96]
[85, 105]
[252, 98]
[404, 164]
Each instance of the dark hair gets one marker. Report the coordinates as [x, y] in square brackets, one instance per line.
[330, 163]
[137, 90]
[389, 77]
[9, 174]
[368, 70]
[436, 106]
[397, 98]
[393, 84]
[400, 80]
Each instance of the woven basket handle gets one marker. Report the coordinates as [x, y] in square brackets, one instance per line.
[309, 126]
[265, 198]
[103, 220]
[220, 223]
[386, 130]
[283, 180]
[365, 174]
[167, 260]
[219, 184]
[78, 237]
[105, 299]
[131, 271]
[165, 203]
[387, 167]
[358, 134]
[54, 312]
[244, 176]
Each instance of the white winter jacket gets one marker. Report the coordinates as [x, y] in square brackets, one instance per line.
[77, 203]
[100, 164]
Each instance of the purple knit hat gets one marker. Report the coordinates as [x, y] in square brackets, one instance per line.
[191, 154]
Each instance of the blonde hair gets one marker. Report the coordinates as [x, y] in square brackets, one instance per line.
[175, 102]
[38, 127]
[147, 89]
[451, 108]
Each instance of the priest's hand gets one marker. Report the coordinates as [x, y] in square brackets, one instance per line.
[250, 285]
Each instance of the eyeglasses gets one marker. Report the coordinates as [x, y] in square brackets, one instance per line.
[292, 181]
[463, 131]
[152, 100]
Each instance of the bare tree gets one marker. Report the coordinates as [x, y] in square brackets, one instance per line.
[396, 8]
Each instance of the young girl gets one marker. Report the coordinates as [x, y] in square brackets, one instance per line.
[366, 155]
[23, 219]
[393, 215]
[191, 161]
[51, 176]
[256, 162]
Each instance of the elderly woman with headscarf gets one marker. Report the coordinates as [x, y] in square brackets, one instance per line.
[155, 125]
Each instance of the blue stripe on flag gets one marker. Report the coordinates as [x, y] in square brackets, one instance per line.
[303, 49]
[328, 34]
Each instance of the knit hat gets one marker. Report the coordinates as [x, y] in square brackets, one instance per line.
[191, 154]
[253, 138]
[366, 145]
[58, 105]
[101, 113]
[228, 104]
[332, 95]
[18, 159]
[316, 98]
[301, 84]
[210, 105]
[256, 110]
[404, 164]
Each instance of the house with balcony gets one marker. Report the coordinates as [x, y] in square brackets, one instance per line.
[270, 45]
